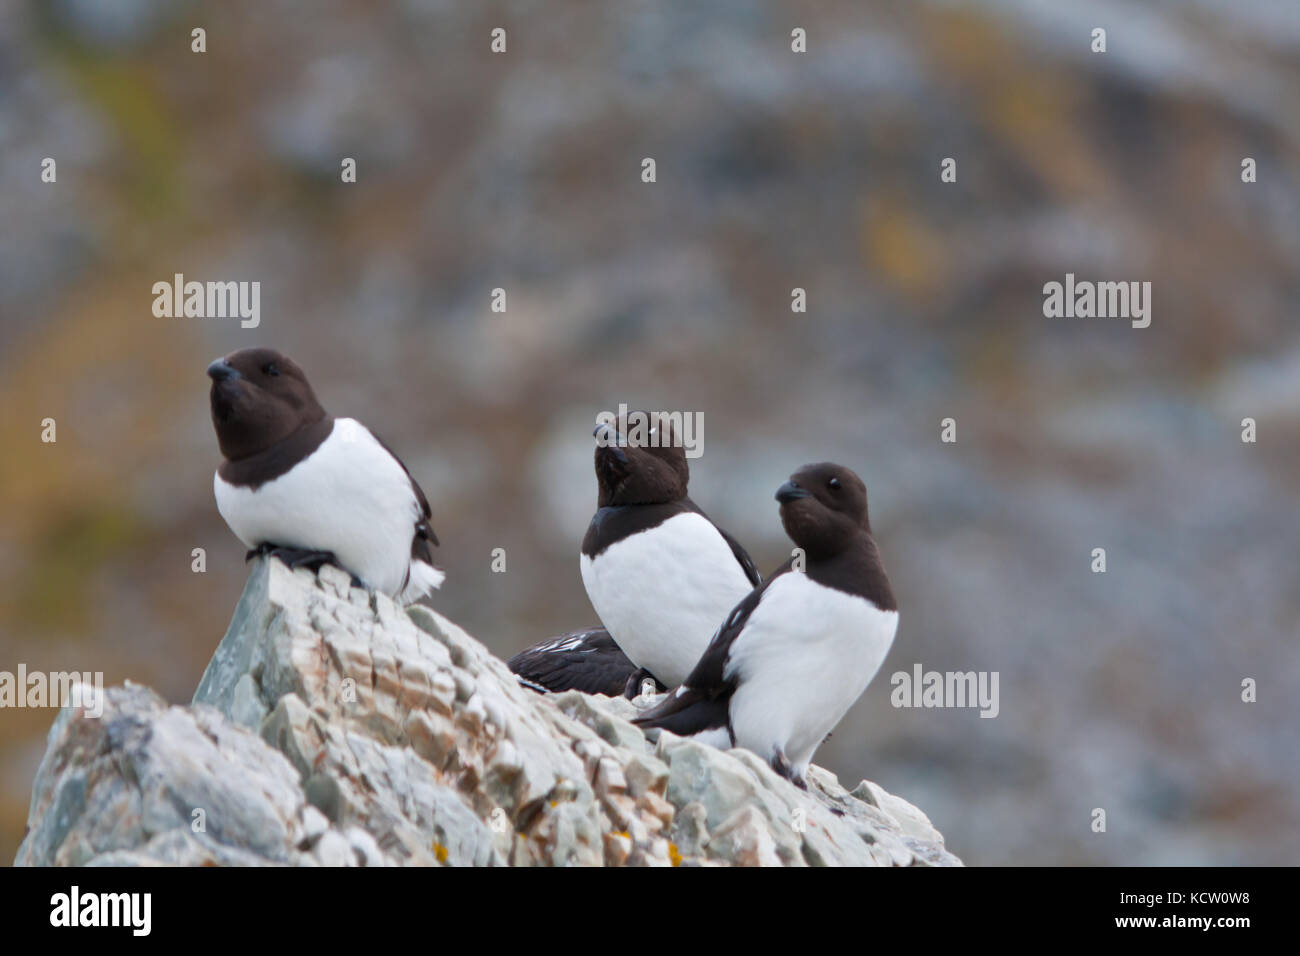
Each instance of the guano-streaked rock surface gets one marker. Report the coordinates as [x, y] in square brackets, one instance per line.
[334, 728]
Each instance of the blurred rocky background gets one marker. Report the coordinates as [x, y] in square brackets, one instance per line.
[775, 170]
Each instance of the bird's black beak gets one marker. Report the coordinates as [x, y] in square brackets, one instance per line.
[790, 492]
[221, 370]
[608, 437]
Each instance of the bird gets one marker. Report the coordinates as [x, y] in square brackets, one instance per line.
[644, 518]
[588, 660]
[660, 575]
[310, 489]
[799, 650]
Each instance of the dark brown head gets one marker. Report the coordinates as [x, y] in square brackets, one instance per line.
[824, 508]
[259, 397]
[640, 460]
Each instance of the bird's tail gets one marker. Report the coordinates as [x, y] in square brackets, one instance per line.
[424, 578]
[689, 713]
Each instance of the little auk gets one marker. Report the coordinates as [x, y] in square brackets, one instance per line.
[660, 575]
[795, 654]
[588, 660]
[311, 489]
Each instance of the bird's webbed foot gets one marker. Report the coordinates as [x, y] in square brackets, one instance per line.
[782, 766]
[307, 558]
[632, 689]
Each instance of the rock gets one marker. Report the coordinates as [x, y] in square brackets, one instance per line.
[333, 728]
[746, 840]
[690, 830]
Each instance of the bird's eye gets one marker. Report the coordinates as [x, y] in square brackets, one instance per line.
[270, 368]
[833, 484]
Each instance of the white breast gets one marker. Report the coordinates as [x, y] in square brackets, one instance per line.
[349, 496]
[805, 655]
[662, 593]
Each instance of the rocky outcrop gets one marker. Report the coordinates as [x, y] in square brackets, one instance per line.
[334, 728]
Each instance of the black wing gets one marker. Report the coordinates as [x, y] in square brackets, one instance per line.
[746, 562]
[742, 556]
[701, 702]
[588, 661]
[420, 550]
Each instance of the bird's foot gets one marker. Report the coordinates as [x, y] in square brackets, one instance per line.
[782, 766]
[298, 558]
[261, 551]
[636, 682]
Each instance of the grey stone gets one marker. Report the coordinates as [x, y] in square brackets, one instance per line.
[314, 825]
[334, 850]
[246, 707]
[334, 728]
[690, 830]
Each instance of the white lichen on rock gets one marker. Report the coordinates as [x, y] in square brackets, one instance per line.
[334, 728]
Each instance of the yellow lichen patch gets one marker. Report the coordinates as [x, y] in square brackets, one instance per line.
[1034, 105]
[129, 97]
[900, 247]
